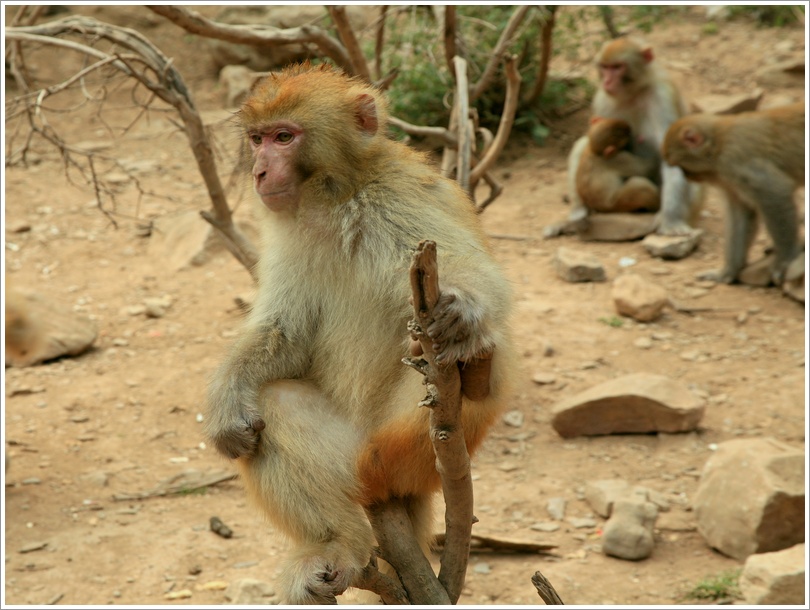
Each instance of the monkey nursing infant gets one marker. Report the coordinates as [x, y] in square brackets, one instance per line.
[313, 401]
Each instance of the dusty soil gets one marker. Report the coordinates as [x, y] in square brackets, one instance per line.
[123, 418]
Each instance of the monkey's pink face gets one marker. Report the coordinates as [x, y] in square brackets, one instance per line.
[611, 76]
[275, 148]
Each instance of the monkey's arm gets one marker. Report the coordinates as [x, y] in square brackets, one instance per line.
[263, 353]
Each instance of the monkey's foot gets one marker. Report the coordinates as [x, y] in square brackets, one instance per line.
[317, 581]
[674, 227]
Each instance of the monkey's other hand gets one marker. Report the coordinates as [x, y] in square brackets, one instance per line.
[458, 331]
[233, 428]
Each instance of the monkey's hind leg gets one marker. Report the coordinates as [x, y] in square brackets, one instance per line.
[304, 478]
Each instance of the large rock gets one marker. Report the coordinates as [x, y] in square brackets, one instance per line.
[618, 227]
[249, 591]
[638, 403]
[635, 297]
[574, 266]
[47, 329]
[775, 578]
[750, 498]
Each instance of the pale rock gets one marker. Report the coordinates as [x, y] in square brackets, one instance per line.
[789, 73]
[184, 240]
[775, 579]
[249, 591]
[635, 297]
[643, 343]
[581, 522]
[574, 266]
[513, 418]
[757, 273]
[628, 534]
[618, 227]
[237, 81]
[155, 307]
[750, 498]
[638, 403]
[544, 378]
[556, 508]
[545, 526]
[728, 104]
[672, 247]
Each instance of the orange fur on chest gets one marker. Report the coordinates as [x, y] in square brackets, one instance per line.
[399, 460]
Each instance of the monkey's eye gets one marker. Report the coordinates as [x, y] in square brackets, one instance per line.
[256, 138]
[284, 136]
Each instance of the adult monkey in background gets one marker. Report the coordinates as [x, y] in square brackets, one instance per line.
[758, 160]
[313, 401]
[635, 89]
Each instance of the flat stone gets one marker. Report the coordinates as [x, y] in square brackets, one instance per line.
[672, 247]
[574, 266]
[638, 403]
[618, 227]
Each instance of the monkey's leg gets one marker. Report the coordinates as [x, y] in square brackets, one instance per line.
[636, 194]
[781, 219]
[303, 476]
[677, 199]
[741, 227]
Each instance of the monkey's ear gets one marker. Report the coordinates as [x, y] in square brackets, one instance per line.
[365, 113]
[691, 138]
[647, 54]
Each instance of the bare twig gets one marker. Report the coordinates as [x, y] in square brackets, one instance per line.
[545, 590]
[165, 82]
[379, 41]
[450, 38]
[495, 57]
[394, 532]
[446, 430]
[505, 125]
[344, 28]
[256, 35]
[461, 110]
[390, 591]
[177, 485]
[607, 16]
[545, 56]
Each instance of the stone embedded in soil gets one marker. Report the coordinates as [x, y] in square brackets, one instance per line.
[575, 266]
[750, 498]
[545, 526]
[728, 104]
[581, 522]
[776, 578]
[513, 418]
[637, 298]
[63, 332]
[638, 403]
[544, 378]
[249, 591]
[672, 247]
[618, 227]
[628, 534]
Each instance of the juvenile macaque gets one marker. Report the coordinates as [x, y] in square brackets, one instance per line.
[313, 401]
[635, 89]
[610, 177]
[758, 160]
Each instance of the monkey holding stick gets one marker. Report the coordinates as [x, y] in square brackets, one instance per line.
[758, 160]
[313, 402]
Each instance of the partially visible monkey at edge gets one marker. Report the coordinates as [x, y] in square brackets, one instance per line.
[610, 177]
[313, 401]
[634, 88]
[758, 160]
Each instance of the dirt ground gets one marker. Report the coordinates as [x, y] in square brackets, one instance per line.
[123, 418]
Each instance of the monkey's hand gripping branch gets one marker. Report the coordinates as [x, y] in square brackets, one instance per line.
[444, 386]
